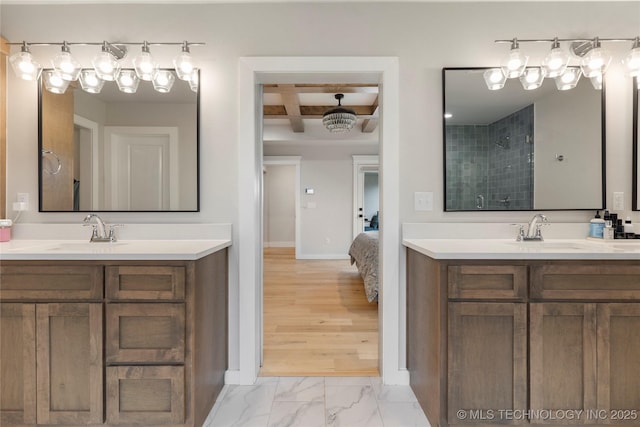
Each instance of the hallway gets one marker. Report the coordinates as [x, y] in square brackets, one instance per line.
[317, 321]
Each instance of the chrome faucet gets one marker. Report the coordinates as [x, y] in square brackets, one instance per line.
[99, 233]
[533, 229]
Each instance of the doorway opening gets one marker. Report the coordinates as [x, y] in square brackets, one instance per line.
[252, 73]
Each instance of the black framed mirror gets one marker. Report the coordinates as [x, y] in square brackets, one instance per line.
[116, 151]
[522, 150]
[636, 134]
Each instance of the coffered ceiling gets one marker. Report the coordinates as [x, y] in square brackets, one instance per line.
[298, 105]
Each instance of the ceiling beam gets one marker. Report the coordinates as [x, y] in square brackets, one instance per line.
[312, 116]
[369, 125]
[343, 88]
[292, 107]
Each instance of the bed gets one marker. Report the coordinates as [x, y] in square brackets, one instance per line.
[364, 253]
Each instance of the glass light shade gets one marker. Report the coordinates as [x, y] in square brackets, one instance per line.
[145, 66]
[106, 66]
[555, 62]
[184, 65]
[632, 62]
[494, 78]
[513, 66]
[128, 81]
[163, 81]
[194, 80]
[596, 81]
[532, 78]
[24, 66]
[54, 82]
[67, 65]
[569, 79]
[90, 81]
[595, 62]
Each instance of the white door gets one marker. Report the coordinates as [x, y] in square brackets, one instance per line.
[143, 173]
[365, 197]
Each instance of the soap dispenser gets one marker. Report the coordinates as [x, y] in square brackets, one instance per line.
[628, 229]
[596, 227]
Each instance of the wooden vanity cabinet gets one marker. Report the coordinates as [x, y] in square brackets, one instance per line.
[510, 342]
[146, 346]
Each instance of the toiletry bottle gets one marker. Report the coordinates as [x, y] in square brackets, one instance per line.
[608, 232]
[628, 229]
[596, 227]
[619, 229]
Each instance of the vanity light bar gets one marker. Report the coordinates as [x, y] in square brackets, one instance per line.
[106, 64]
[593, 58]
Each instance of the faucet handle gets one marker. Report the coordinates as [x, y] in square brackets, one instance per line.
[112, 231]
[520, 236]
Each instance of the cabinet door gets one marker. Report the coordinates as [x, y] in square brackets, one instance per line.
[69, 363]
[487, 362]
[562, 361]
[17, 364]
[619, 362]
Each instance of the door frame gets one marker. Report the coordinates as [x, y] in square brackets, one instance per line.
[359, 165]
[93, 128]
[289, 161]
[252, 73]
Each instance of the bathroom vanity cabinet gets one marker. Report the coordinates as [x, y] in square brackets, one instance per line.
[112, 342]
[519, 342]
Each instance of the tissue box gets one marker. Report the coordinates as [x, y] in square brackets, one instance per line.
[5, 230]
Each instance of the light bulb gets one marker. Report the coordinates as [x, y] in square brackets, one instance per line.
[632, 60]
[494, 78]
[595, 61]
[144, 64]
[66, 64]
[556, 61]
[23, 64]
[513, 66]
[90, 82]
[183, 63]
[54, 82]
[163, 81]
[106, 66]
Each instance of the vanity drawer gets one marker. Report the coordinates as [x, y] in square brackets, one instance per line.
[585, 282]
[487, 282]
[145, 395]
[145, 333]
[50, 282]
[145, 283]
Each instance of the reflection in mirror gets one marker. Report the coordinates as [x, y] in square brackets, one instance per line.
[636, 137]
[516, 149]
[115, 151]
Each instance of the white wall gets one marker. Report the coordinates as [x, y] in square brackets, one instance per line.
[424, 36]
[279, 201]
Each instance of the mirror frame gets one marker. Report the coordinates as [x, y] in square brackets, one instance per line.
[40, 161]
[635, 135]
[444, 153]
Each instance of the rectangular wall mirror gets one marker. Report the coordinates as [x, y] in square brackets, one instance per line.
[636, 136]
[514, 149]
[115, 151]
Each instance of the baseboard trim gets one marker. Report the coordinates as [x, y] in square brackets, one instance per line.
[322, 256]
[279, 244]
[399, 377]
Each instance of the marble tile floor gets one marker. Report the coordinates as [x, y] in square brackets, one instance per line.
[317, 402]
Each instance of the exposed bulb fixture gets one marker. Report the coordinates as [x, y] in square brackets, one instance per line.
[90, 81]
[632, 60]
[163, 81]
[339, 119]
[568, 79]
[513, 66]
[68, 67]
[144, 64]
[105, 64]
[595, 61]
[556, 61]
[128, 81]
[54, 81]
[194, 80]
[532, 78]
[23, 64]
[184, 63]
[494, 78]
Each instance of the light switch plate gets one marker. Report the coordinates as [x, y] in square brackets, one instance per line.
[618, 201]
[423, 201]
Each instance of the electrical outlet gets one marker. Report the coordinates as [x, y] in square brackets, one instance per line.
[423, 201]
[618, 201]
[23, 198]
[22, 202]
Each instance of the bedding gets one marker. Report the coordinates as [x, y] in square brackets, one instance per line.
[364, 253]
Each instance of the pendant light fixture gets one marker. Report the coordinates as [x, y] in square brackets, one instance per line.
[68, 67]
[23, 64]
[513, 65]
[184, 63]
[144, 64]
[106, 64]
[339, 119]
[556, 61]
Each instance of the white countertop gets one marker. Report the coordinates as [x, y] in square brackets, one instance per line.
[550, 249]
[26, 249]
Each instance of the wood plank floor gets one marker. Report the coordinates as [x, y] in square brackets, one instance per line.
[317, 321]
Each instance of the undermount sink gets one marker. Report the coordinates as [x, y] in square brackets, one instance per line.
[549, 245]
[85, 246]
